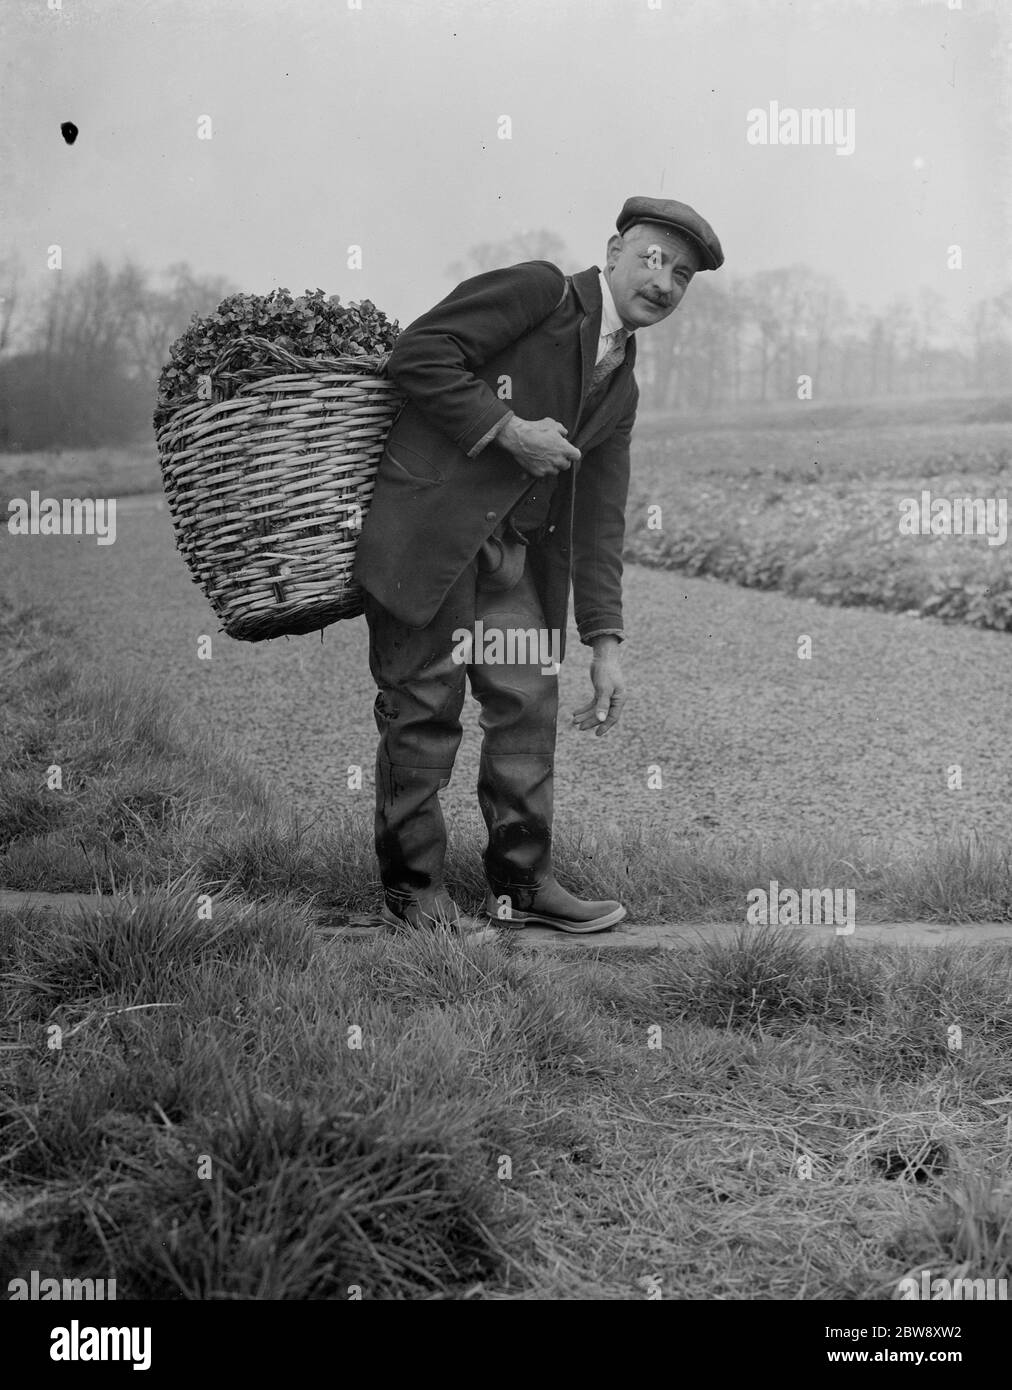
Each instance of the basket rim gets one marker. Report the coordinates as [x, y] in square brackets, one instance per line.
[189, 413]
[286, 364]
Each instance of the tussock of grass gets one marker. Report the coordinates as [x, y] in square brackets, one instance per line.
[769, 983]
[310, 1204]
[967, 1233]
[144, 946]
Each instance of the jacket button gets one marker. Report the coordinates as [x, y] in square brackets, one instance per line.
[490, 516]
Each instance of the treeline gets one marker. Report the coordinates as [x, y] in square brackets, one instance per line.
[733, 342]
[79, 361]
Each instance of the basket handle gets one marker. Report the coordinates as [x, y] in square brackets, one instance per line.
[374, 364]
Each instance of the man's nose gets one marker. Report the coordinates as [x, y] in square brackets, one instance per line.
[663, 281]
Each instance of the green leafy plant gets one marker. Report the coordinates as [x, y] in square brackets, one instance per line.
[229, 346]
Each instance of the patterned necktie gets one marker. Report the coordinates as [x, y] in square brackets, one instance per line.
[610, 360]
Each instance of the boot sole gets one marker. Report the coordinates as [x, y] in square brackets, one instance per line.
[519, 920]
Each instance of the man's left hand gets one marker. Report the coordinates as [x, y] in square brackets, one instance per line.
[605, 709]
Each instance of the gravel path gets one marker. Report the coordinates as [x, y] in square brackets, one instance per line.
[749, 739]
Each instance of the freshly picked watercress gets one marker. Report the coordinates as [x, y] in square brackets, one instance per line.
[228, 346]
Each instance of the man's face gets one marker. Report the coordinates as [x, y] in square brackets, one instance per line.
[649, 272]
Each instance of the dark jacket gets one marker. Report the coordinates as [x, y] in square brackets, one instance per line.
[524, 338]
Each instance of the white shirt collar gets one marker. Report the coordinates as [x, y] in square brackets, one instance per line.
[610, 321]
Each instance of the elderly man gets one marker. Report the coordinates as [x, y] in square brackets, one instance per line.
[502, 484]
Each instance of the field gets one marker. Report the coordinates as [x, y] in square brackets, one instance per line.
[805, 500]
[110, 472]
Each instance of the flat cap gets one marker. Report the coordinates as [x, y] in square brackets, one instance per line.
[681, 218]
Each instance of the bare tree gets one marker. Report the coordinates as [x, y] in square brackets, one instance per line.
[94, 347]
[537, 245]
[163, 314]
[991, 336]
[10, 294]
[765, 297]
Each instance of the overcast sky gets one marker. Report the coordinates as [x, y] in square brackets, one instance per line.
[379, 126]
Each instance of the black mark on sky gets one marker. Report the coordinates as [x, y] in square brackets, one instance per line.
[69, 131]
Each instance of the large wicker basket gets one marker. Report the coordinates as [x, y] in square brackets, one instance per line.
[267, 490]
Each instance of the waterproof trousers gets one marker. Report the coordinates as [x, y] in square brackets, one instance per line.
[422, 675]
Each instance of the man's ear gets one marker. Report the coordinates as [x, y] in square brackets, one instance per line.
[615, 244]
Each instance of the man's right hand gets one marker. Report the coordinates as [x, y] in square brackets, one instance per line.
[539, 446]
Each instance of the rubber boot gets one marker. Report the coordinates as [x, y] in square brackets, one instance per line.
[515, 792]
[435, 910]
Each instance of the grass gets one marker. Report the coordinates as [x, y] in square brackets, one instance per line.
[236, 1110]
[805, 500]
[203, 1096]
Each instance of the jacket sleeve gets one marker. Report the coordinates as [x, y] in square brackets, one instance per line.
[602, 488]
[434, 359]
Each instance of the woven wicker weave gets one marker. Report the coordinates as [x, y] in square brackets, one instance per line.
[267, 490]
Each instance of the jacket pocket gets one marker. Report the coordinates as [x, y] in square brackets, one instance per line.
[415, 466]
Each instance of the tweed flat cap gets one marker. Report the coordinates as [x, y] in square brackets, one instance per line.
[679, 216]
